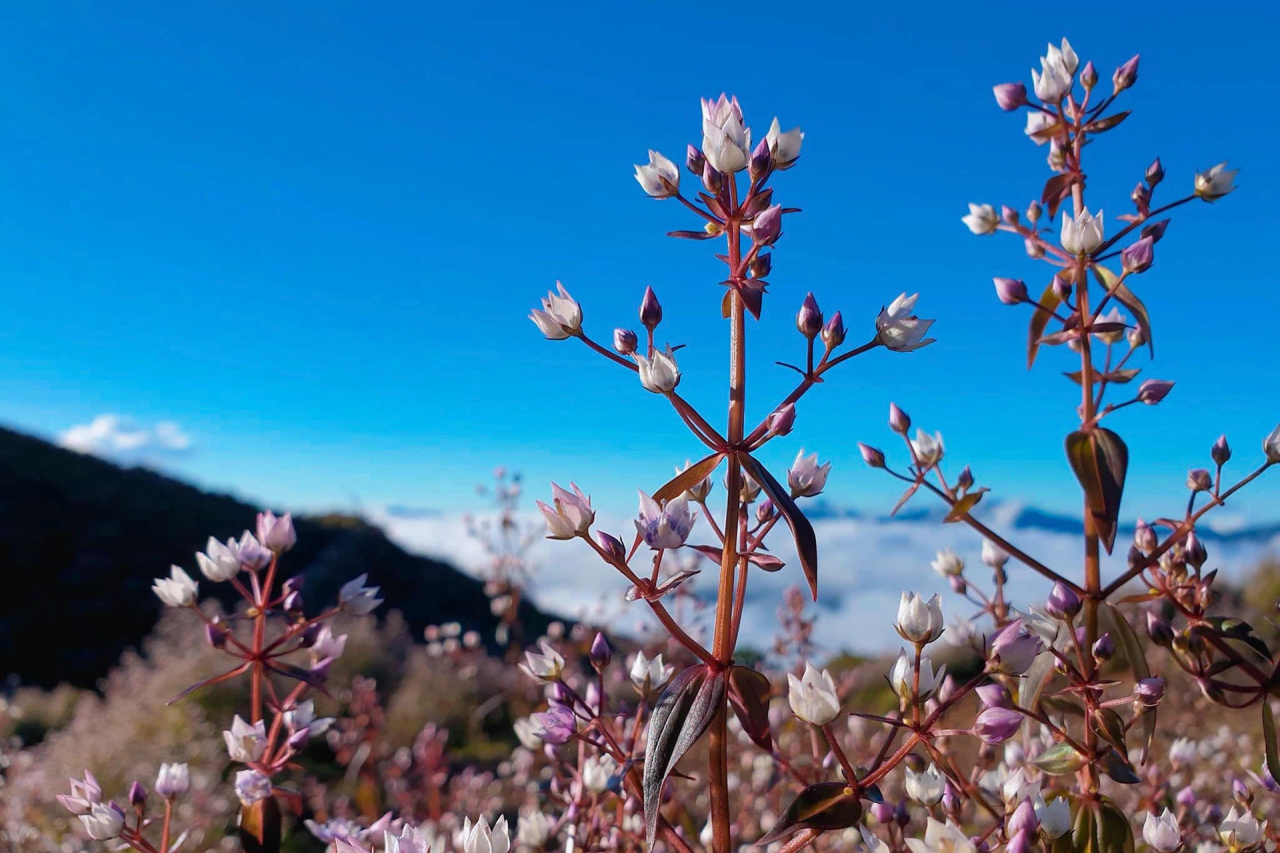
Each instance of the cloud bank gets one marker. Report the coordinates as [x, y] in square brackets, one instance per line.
[125, 441]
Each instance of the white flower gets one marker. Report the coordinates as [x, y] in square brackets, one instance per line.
[926, 787]
[410, 840]
[813, 697]
[327, 646]
[919, 621]
[303, 719]
[785, 146]
[571, 514]
[358, 599]
[83, 795]
[1182, 751]
[560, 317]
[543, 667]
[220, 562]
[649, 674]
[871, 843]
[900, 330]
[1162, 833]
[661, 178]
[1241, 831]
[726, 142]
[928, 448]
[948, 564]
[103, 822]
[253, 555]
[1081, 235]
[276, 534]
[533, 829]
[982, 219]
[479, 838]
[993, 555]
[245, 742]
[177, 590]
[596, 772]
[1215, 183]
[1111, 337]
[699, 490]
[666, 526]
[903, 675]
[1017, 787]
[1037, 122]
[1271, 445]
[252, 786]
[806, 478]
[1057, 69]
[1054, 816]
[659, 374]
[526, 733]
[941, 838]
[173, 780]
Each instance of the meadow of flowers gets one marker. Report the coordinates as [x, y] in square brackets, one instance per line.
[1117, 713]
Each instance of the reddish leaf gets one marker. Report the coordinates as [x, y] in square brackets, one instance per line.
[749, 693]
[961, 508]
[1100, 460]
[260, 827]
[1055, 190]
[768, 562]
[1039, 321]
[1102, 125]
[801, 529]
[826, 805]
[684, 711]
[691, 235]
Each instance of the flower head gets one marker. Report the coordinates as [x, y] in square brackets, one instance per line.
[173, 780]
[328, 647]
[928, 448]
[785, 146]
[982, 218]
[919, 621]
[927, 786]
[1013, 648]
[1057, 68]
[251, 786]
[220, 562]
[571, 515]
[560, 317]
[900, 330]
[699, 490]
[665, 526]
[902, 677]
[649, 673]
[813, 696]
[1082, 235]
[556, 724]
[597, 771]
[276, 534]
[1162, 832]
[177, 590]
[941, 838]
[546, 666]
[1216, 182]
[103, 821]
[1241, 831]
[245, 742]
[726, 142]
[659, 374]
[480, 838]
[660, 178]
[1054, 816]
[302, 722]
[997, 724]
[948, 564]
[83, 795]
[410, 840]
[533, 829]
[358, 599]
[806, 478]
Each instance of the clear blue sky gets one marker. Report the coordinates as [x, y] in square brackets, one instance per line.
[311, 236]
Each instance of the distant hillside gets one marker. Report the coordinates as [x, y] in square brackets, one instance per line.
[81, 540]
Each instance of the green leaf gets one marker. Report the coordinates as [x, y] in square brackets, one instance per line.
[684, 711]
[1040, 321]
[1059, 760]
[1269, 738]
[1110, 725]
[1112, 283]
[1113, 622]
[749, 694]
[801, 529]
[1100, 461]
[826, 805]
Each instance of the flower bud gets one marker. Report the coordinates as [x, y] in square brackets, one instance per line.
[1125, 76]
[712, 180]
[1033, 211]
[1221, 451]
[871, 455]
[1156, 229]
[1010, 291]
[650, 310]
[1155, 173]
[1088, 75]
[833, 332]
[781, 421]
[761, 162]
[1035, 249]
[766, 228]
[761, 264]
[216, 635]
[137, 793]
[993, 695]
[1008, 214]
[601, 653]
[1023, 819]
[612, 546]
[1158, 630]
[964, 480]
[1149, 691]
[694, 161]
[1010, 96]
[765, 510]
[882, 812]
[1138, 257]
[1063, 603]
[809, 318]
[1152, 391]
[958, 584]
[1103, 649]
[1241, 793]
[1199, 480]
[1193, 550]
[624, 341]
[1144, 537]
[899, 421]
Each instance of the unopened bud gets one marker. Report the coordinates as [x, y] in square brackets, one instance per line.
[1240, 791]
[809, 318]
[137, 793]
[958, 584]
[1156, 229]
[216, 635]
[1138, 257]
[1152, 391]
[782, 421]
[1104, 649]
[1061, 288]
[765, 510]
[833, 332]
[1149, 691]
[601, 653]
[1062, 603]
[1035, 249]
[766, 228]
[1088, 75]
[612, 546]
[1221, 451]
[1010, 291]
[964, 480]
[1155, 173]
[871, 455]
[899, 421]
[882, 812]
[761, 264]
[1033, 211]
[1193, 550]
[1008, 214]
[1158, 630]
[1125, 76]
[1010, 96]
[761, 162]
[694, 161]
[1144, 537]
[1199, 480]
[712, 180]
[1141, 197]
[650, 310]
[624, 341]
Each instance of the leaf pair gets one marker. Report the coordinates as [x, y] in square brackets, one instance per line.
[1100, 460]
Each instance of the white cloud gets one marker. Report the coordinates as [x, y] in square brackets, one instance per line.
[864, 566]
[123, 440]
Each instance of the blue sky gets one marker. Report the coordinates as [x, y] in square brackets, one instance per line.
[311, 236]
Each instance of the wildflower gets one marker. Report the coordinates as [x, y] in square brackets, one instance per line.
[784, 146]
[993, 555]
[1152, 391]
[410, 840]
[902, 677]
[276, 534]
[941, 838]
[659, 374]
[1241, 831]
[251, 786]
[532, 829]
[328, 647]
[526, 732]
[1010, 96]
[1038, 126]
[253, 556]
[560, 317]
[1054, 816]
[1056, 70]
[1063, 603]
[1271, 445]
[1138, 257]
[806, 477]
[997, 725]
[1215, 183]
[103, 821]
[665, 526]
[919, 621]
[596, 772]
[1149, 691]
[766, 228]
[649, 674]
[624, 341]
[1014, 648]
[219, 562]
[1081, 235]
[1010, 291]
[726, 143]
[982, 218]
[813, 697]
[555, 725]
[927, 786]
[571, 514]
[699, 490]
[948, 564]
[781, 422]
[479, 838]
[245, 742]
[928, 449]
[809, 317]
[177, 590]
[1162, 832]
[900, 330]
[173, 780]
[358, 599]
[543, 667]
[871, 455]
[660, 178]
[302, 719]
[83, 796]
